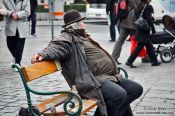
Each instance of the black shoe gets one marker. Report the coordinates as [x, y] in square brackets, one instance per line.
[112, 40]
[155, 64]
[128, 39]
[146, 60]
[130, 65]
[119, 63]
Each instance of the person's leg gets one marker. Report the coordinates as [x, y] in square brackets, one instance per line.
[132, 32]
[0, 25]
[151, 52]
[112, 27]
[114, 97]
[135, 53]
[11, 41]
[19, 46]
[19, 50]
[120, 41]
[128, 112]
[134, 91]
[33, 19]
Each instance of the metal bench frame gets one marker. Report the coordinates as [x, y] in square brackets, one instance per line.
[69, 101]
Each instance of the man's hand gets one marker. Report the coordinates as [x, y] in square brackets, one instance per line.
[36, 58]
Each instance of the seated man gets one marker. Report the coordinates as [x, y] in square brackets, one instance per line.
[90, 68]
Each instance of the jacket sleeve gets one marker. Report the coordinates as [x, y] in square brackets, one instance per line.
[6, 12]
[135, 4]
[25, 12]
[148, 16]
[56, 50]
[3, 10]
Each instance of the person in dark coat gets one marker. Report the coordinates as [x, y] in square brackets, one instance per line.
[111, 11]
[32, 17]
[90, 68]
[126, 27]
[143, 37]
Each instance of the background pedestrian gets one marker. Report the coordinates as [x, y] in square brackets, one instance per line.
[143, 36]
[126, 27]
[16, 26]
[32, 17]
[111, 11]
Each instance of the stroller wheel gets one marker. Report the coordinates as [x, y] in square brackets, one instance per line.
[166, 55]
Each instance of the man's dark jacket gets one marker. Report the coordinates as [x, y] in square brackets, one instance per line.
[69, 50]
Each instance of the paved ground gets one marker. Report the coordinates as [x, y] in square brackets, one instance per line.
[158, 98]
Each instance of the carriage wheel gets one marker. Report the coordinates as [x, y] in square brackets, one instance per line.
[166, 55]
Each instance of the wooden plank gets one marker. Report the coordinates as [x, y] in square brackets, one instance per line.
[87, 106]
[56, 100]
[40, 69]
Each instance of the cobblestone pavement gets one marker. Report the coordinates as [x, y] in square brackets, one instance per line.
[158, 98]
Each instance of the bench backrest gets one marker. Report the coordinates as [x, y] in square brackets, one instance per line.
[40, 69]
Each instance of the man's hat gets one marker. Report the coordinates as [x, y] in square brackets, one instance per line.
[72, 16]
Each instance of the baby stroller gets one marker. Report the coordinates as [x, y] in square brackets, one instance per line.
[164, 38]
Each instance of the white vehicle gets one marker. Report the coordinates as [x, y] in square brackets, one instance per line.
[163, 7]
[96, 11]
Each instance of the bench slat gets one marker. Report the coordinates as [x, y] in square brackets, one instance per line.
[40, 69]
[87, 106]
[56, 100]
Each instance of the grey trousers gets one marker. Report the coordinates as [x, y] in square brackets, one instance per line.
[124, 32]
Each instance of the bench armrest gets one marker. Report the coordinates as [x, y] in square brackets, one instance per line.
[67, 102]
[124, 71]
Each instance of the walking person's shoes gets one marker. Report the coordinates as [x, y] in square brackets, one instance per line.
[112, 40]
[155, 63]
[119, 63]
[130, 65]
[146, 60]
[33, 35]
[128, 39]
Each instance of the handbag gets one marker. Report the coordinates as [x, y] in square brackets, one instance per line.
[143, 52]
[141, 23]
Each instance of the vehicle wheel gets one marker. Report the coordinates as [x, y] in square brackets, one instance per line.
[166, 55]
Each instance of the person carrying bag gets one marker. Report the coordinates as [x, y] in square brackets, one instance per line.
[142, 23]
[143, 35]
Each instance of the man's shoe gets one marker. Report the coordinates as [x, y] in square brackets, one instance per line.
[33, 35]
[130, 65]
[155, 64]
[118, 62]
[112, 40]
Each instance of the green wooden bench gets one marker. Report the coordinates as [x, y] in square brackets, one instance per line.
[61, 102]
